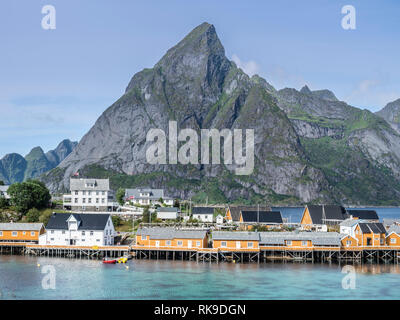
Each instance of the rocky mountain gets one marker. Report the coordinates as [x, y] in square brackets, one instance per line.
[391, 113]
[309, 146]
[16, 168]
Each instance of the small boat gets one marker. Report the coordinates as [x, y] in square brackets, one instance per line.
[110, 261]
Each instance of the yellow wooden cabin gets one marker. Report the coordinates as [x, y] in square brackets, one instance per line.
[236, 240]
[21, 232]
[171, 238]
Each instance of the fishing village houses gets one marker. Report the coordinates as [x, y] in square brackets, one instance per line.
[236, 233]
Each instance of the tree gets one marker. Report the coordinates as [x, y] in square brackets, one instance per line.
[32, 215]
[29, 194]
[45, 217]
[116, 220]
[120, 195]
[3, 202]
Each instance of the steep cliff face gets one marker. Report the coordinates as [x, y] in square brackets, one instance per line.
[391, 113]
[309, 146]
[195, 85]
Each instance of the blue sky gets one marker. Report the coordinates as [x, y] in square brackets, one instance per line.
[54, 84]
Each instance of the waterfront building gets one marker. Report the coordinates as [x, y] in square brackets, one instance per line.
[3, 192]
[319, 217]
[235, 240]
[147, 196]
[21, 232]
[233, 212]
[301, 239]
[366, 215]
[89, 195]
[203, 214]
[168, 213]
[171, 238]
[92, 229]
[257, 217]
[367, 233]
[393, 236]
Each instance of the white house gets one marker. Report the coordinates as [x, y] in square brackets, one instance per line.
[203, 214]
[219, 219]
[147, 196]
[89, 195]
[167, 213]
[3, 192]
[348, 226]
[92, 229]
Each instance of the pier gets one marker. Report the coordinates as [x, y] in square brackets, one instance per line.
[78, 252]
[270, 254]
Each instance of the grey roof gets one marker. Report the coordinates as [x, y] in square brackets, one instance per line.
[271, 217]
[349, 222]
[322, 214]
[235, 235]
[370, 227]
[394, 228]
[167, 209]
[89, 221]
[21, 226]
[364, 214]
[171, 233]
[155, 194]
[80, 184]
[202, 210]
[235, 210]
[317, 238]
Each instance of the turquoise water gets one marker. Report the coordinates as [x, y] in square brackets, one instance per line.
[21, 278]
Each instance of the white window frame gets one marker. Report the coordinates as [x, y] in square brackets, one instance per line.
[250, 245]
[223, 244]
[393, 240]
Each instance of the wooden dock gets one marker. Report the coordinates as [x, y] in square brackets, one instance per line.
[80, 252]
[265, 254]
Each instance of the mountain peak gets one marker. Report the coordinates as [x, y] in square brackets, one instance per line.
[305, 90]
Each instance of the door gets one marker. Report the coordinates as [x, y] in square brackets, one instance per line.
[72, 242]
[237, 244]
[189, 243]
[157, 243]
[369, 242]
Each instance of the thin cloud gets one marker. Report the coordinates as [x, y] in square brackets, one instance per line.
[250, 67]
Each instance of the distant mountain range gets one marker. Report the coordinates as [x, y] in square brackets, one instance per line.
[16, 168]
[309, 146]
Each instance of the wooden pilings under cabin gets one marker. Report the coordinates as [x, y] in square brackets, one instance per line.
[265, 256]
[77, 252]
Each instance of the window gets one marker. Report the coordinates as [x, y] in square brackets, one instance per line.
[84, 200]
[84, 193]
[76, 200]
[168, 242]
[52, 239]
[289, 242]
[144, 237]
[250, 244]
[304, 243]
[348, 243]
[83, 233]
[205, 217]
[63, 232]
[180, 243]
[98, 240]
[90, 200]
[91, 233]
[23, 233]
[393, 240]
[76, 193]
[1, 233]
[198, 243]
[103, 200]
[52, 231]
[83, 240]
[223, 244]
[97, 200]
[32, 233]
[89, 193]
